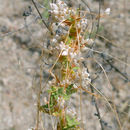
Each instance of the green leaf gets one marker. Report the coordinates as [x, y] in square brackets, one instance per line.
[45, 12]
[66, 97]
[75, 68]
[53, 88]
[56, 114]
[49, 90]
[60, 91]
[70, 90]
[71, 123]
[68, 40]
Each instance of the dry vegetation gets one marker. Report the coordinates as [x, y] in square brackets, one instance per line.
[32, 59]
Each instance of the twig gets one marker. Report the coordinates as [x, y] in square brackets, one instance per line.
[92, 90]
[113, 57]
[38, 101]
[97, 27]
[117, 70]
[95, 103]
[97, 109]
[99, 12]
[41, 16]
[109, 84]
[90, 15]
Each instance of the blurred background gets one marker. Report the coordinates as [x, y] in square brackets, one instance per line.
[22, 36]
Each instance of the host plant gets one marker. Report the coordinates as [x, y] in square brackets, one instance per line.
[68, 39]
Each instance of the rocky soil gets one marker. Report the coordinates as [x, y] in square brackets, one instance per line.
[19, 66]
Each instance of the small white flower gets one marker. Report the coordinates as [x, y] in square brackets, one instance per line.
[55, 12]
[89, 41]
[61, 24]
[75, 86]
[30, 128]
[89, 80]
[107, 11]
[72, 55]
[49, 82]
[67, 81]
[62, 45]
[69, 11]
[59, 2]
[54, 40]
[65, 49]
[65, 53]
[76, 62]
[56, 17]
[45, 99]
[85, 74]
[54, 6]
[35, 104]
[79, 119]
[62, 5]
[78, 25]
[65, 10]
[84, 21]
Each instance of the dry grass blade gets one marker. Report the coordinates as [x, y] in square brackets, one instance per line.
[109, 84]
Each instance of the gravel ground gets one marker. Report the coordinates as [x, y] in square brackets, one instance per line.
[19, 67]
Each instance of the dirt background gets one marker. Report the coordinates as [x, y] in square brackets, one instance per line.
[19, 65]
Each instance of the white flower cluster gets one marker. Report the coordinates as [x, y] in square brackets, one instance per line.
[85, 78]
[66, 81]
[83, 23]
[32, 128]
[65, 49]
[73, 49]
[60, 10]
[107, 11]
